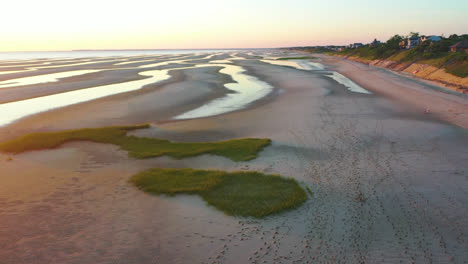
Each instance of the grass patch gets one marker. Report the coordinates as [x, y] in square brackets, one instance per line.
[138, 147]
[296, 58]
[459, 69]
[399, 56]
[235, 193]
[309, 191]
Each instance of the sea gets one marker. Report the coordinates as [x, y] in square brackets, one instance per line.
[23, 55]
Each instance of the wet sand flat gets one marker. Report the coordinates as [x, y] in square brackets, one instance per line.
[389, 182]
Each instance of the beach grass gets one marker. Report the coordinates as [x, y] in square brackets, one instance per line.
[459, 69]
[296, 58]
[236, 193]
[138, 147]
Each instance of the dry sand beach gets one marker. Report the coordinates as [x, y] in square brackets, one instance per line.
[389, 181]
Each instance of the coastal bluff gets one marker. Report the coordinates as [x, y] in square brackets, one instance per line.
[423, 71]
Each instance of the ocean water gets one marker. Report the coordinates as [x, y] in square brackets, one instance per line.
[245, 90]
[23, 55]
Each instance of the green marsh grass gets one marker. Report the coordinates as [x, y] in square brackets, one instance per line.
[237, 193]
[138, 147]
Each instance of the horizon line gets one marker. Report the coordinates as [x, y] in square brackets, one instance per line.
[139, 49]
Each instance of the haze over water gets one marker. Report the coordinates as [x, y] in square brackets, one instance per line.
[18, 55]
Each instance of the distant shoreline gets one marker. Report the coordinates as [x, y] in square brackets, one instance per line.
[20, 55]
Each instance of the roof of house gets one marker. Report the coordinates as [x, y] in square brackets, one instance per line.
[461, 44]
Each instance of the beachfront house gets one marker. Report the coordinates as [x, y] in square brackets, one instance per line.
[336, 48]
[355, 45]
[412, 42]
[460, 46]
[402, 44]
[431, 38]
[374, 43]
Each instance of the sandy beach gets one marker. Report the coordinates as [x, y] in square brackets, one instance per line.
[389, 181]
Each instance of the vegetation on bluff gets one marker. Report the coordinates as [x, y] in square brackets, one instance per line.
[296, 58]
[433, 53]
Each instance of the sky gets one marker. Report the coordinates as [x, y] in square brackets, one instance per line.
[32, 25]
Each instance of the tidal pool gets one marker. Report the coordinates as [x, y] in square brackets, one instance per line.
[179, 60]
[80, 63]
[315, 66]
[247, 89]
[134, 61]
[352, 86]
[211, 56]
[23, 65]
[220, 61]
[13, 111]
[44, 78]
[164, 63]
[298, 64]
[8, 72]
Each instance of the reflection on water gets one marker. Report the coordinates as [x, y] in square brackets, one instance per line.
[298, 64]
[134, 61]
[80, 63]
[212, 55]
[220, 61]
[57, 64]
[352, 86]
[13, 111]
[96, 53]
[8, 72]
[23, 65]
[315, 66]
[247, 89]
[164, 63]
[45, 78]
[179, 60]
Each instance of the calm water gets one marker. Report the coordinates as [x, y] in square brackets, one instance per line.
[96, 53]
[246, 88]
